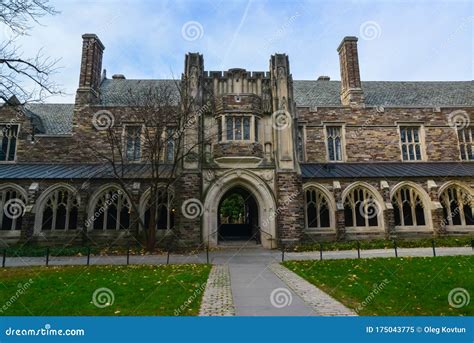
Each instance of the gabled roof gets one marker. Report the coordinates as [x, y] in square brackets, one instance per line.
[129, 92]
[388, 93]
[54, 119]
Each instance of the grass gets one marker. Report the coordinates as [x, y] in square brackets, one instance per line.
[394, 286]
[388, 244]
[137, 290]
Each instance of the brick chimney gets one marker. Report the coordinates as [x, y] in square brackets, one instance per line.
[351, 90]
[91, 68]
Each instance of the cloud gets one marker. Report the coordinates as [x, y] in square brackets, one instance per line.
[418, 41]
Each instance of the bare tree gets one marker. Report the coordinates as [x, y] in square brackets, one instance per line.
[26, 78]
[169, 120]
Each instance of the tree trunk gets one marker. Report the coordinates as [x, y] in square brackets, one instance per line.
[151, 230]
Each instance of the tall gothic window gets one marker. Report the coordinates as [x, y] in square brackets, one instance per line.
[133, 142]
[334, 143]
[466, 143]
[169, 145]
[411, 143]
[458, 206]
[408, 207]
[361, 209]
[317, 209]
[112, 211]
[12, 207]
[8, 141]
[219, 129]
[60, 211]
[164, 211]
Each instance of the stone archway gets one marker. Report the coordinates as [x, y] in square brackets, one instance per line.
[260, 191]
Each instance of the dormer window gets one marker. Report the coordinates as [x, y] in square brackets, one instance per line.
[8, 141]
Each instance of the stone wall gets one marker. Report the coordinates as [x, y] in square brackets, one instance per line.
[371, 134]
[238, 149]
[290, 212]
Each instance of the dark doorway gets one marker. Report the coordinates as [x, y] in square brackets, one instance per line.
[237, 215]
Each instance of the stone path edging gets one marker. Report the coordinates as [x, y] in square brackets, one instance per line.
[322, 303]
[217, 299]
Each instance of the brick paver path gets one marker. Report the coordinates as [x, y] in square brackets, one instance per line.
[322, 303]
[217, 299]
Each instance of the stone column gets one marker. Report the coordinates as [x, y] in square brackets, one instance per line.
[28, 220]
[340, 224]
[389, 212]
[439, 227]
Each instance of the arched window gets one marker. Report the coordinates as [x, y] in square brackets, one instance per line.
[60, 211]
[112, 211]
[361, 209]
[12, 208]
[164, 211]
[458, 206]
[408, 207]
[317, 209]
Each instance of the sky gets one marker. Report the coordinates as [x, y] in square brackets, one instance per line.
[398, 40]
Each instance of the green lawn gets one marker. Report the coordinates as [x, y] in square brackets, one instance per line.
[137, 290]
[391, 286]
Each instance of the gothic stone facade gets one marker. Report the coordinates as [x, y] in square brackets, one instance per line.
[324, 160]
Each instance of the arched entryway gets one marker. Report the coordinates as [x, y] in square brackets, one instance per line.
[248, 183]
[237, 216]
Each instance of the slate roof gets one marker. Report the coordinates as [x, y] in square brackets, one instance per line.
[388, 93]
[52, 119]
[123, 92]
[387, 169]
[56, 119]
[37, 171]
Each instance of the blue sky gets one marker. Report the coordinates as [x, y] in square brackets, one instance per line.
[398, 40]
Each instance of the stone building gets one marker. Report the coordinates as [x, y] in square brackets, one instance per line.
[313, 159]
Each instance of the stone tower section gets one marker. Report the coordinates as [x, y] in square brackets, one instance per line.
[283, 111]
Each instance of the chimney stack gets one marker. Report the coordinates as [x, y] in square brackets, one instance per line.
[91, 68]
[351, 89]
